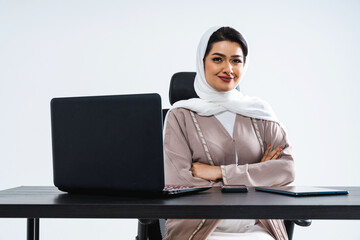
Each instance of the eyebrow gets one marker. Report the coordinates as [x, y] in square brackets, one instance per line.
[222, 55]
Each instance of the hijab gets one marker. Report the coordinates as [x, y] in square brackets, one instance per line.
[212, 102]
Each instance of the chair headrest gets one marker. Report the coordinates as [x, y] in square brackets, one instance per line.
[182, 87]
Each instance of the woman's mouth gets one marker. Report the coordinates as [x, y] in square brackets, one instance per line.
[225, 78]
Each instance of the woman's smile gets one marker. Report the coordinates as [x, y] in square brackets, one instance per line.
[226, 78]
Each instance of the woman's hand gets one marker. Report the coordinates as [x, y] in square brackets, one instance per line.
[205, 171]
[273, 155]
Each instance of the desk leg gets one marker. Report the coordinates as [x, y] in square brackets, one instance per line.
[33, 225]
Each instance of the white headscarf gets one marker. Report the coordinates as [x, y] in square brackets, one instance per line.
[213, 102]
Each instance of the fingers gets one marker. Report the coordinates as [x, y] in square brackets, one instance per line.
[279, 153]
[193, 170]
[194, 166]
[266, 153]
[274, 154]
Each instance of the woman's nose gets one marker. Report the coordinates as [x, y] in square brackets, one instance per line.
[227, 68]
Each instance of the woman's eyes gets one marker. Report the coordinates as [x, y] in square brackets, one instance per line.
[237, 61]
[218, 60]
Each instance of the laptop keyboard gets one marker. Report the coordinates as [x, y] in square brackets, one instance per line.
[175, 187]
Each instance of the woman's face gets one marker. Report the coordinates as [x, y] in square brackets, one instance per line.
[224, 65]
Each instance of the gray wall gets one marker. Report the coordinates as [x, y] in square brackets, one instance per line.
[303, 61]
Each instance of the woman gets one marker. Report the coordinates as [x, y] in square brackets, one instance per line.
[224, 137]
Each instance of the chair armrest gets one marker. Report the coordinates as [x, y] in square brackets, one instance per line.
[148, 229]
[302, 222]
[290, 223]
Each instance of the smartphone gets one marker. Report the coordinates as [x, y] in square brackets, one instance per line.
[234, 188]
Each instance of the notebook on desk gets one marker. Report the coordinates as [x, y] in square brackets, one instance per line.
[109, 144]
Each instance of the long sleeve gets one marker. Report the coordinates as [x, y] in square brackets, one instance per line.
[190, 138]
[178, 156]
[270, 173]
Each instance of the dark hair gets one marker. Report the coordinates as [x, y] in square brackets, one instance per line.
[227, 34]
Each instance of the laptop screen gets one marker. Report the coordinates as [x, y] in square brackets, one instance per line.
[108, 143]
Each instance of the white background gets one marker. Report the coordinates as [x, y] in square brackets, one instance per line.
[304, 58]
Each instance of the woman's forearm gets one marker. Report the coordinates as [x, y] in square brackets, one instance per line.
[207, 172]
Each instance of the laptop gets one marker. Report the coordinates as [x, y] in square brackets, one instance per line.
[302, 191]
[110, 144]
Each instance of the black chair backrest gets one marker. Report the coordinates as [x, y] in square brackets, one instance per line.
[182, 87]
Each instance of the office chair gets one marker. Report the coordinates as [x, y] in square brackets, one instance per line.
[182, 88]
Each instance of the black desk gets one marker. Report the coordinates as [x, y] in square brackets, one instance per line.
[48, 202]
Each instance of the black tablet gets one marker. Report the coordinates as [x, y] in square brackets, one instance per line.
[302, 191]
